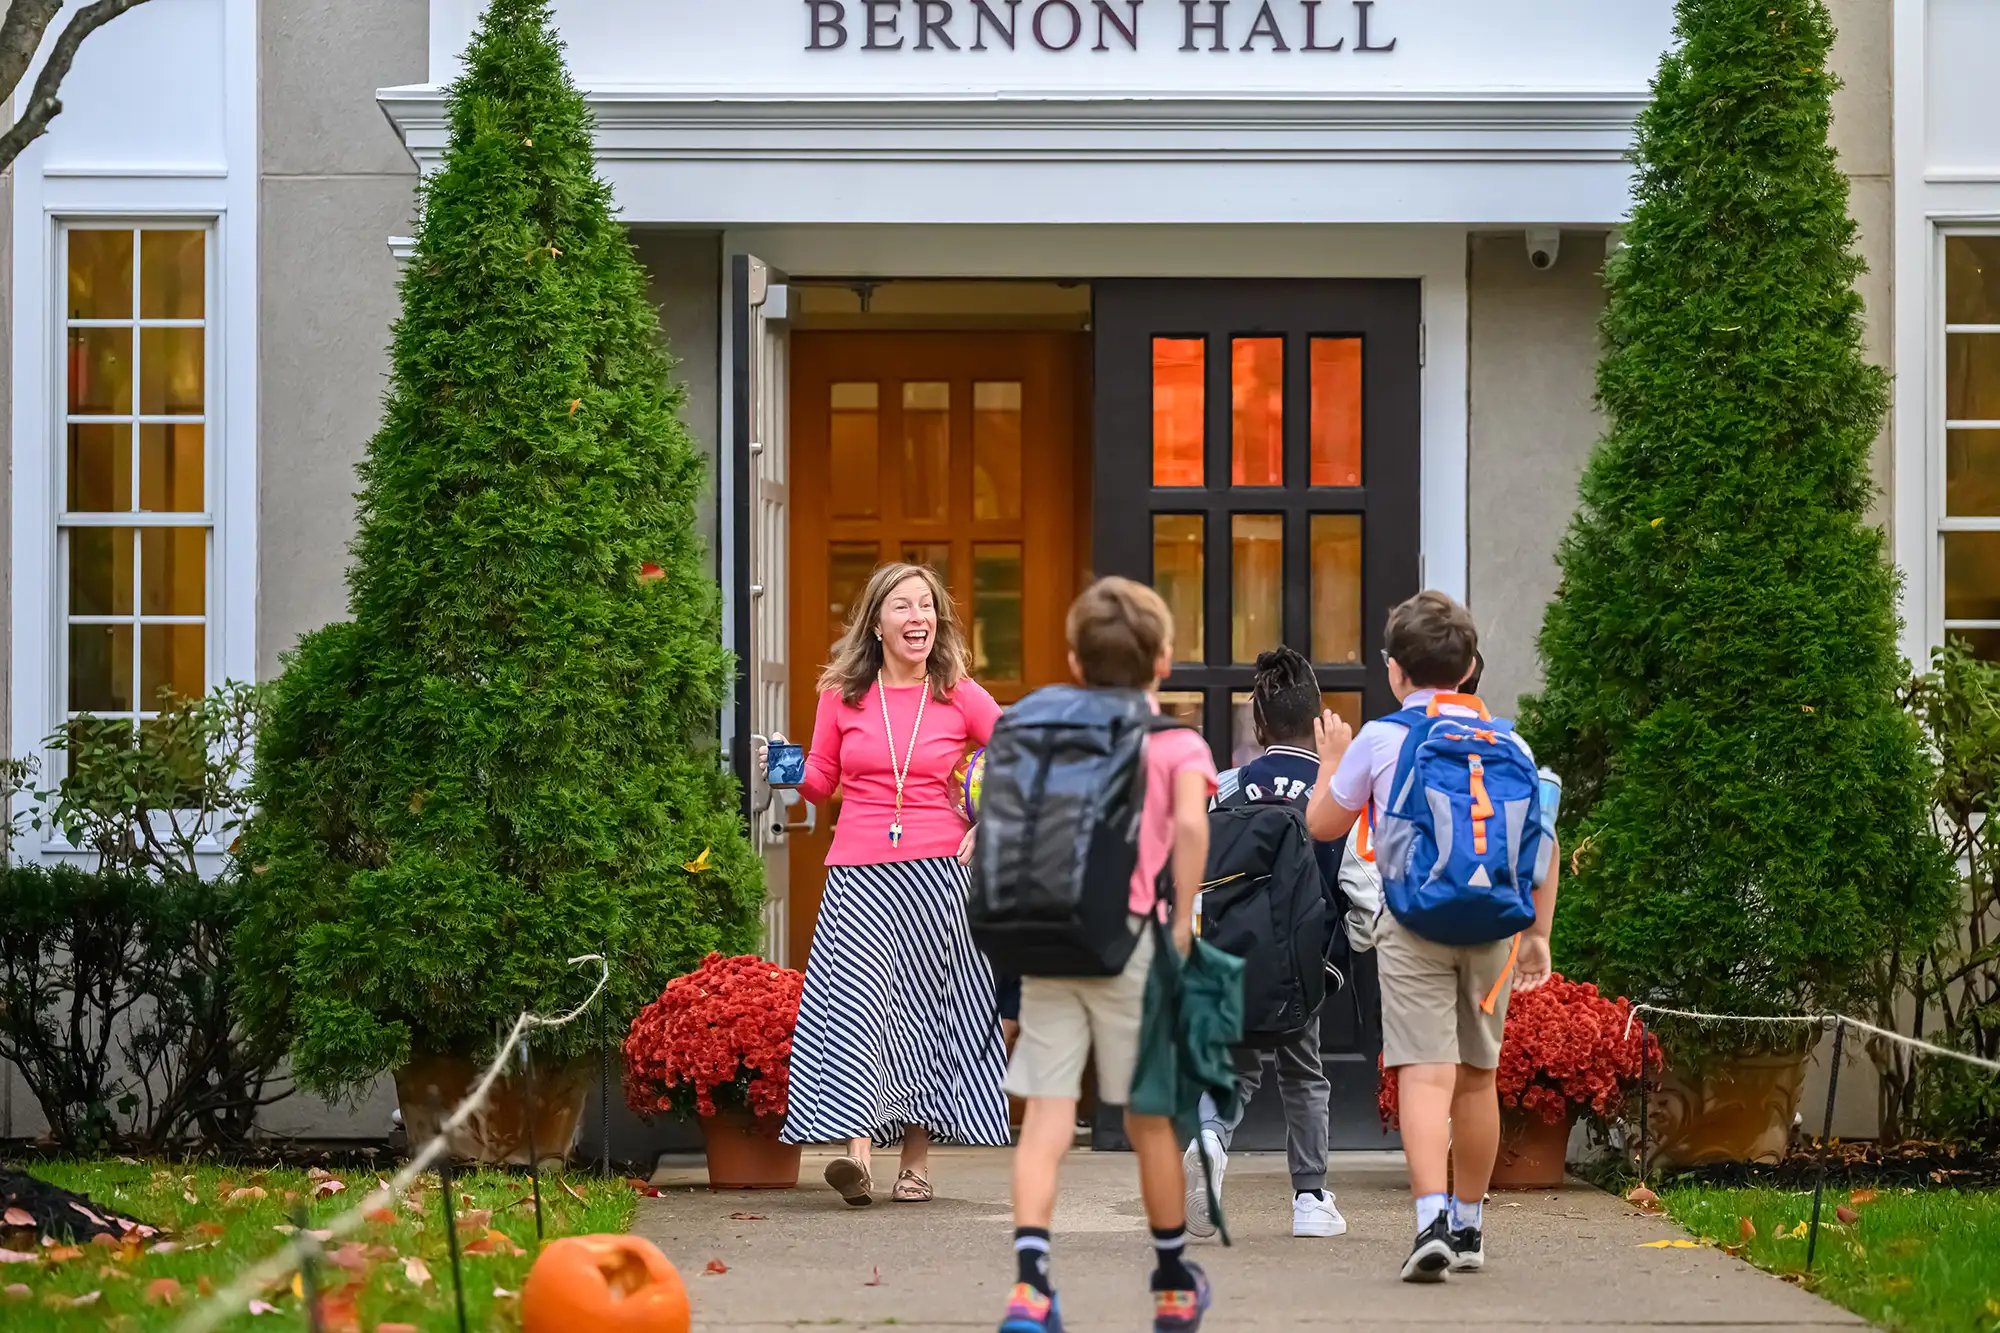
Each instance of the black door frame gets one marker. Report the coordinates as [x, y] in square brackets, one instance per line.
[1387, 316]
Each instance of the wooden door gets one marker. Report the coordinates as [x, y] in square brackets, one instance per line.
[1258, 462]
[956, 450]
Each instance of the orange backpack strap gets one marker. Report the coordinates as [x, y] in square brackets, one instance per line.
[1364, 834]
[1445, 697]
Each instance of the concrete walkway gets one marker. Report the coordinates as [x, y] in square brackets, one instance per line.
[1570, 1260]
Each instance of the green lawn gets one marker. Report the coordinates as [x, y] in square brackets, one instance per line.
[235, 1220]
[1909, 1259]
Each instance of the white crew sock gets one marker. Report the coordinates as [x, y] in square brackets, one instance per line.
[1465, 1214]
[1430, 1208]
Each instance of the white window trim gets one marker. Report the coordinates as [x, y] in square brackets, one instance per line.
[1941, 426]
[222, 192]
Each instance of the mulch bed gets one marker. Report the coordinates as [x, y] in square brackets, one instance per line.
[53, 1211]
[1916, 1165]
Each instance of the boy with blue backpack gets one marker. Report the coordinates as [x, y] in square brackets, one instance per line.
[1468, 869]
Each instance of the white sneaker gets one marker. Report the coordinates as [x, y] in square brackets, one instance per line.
[1199, 1222]
[1317, 1217]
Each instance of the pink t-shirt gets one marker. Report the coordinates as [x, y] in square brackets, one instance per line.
[850, 754]
[1168, 755]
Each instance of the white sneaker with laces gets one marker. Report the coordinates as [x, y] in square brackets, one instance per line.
[1199, 1222]
[1317, 1217]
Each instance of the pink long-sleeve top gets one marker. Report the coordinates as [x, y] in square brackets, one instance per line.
[850, 754]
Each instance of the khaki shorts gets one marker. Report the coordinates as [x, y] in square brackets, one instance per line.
[1065, 1019]
[1435, 998]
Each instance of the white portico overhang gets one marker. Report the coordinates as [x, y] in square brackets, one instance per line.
[888, 112]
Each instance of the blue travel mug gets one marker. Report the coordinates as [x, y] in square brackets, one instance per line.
[785, 764]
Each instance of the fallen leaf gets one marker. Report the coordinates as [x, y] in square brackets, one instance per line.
[163, 1291]
[717, 1267]
[574, 404]
[340, 1310]
[328, 1188]
[318, 1174]
[87, 1213]
[502, 1294]
[1860, 1197]
[699, 864]
[298, 1286]
[1993, 1308]
[1846, 1216]
[190, 1197]
[381, 1216]
[104, 1239]
[1669, 1245]
[1644, 1199]
[262, 1307]
[18, 1256]
[56, 1302]
[572, 1190]
[495, 1242]
[18, 1217]
[475, 1219]
[1799, 1232]
[1656, 522]
[748, 1217]
[62, 1254]
[650, 572]
[205, 1285]
[876, 1280]
[165, 1247]
[353, 1256]
[1746, 1228]
[248, 1194]
[213, 1230]
[396, 1328]
[417, 1271]
[129, 1161]
[17, 1291]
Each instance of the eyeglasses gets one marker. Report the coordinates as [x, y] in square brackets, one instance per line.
[1386, 659]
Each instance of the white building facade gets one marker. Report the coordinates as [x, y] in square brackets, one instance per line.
[1289, 306]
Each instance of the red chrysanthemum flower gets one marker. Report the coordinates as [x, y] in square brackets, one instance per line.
[1567, 1048]
[726, 1028]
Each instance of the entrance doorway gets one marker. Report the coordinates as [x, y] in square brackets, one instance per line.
[1257, 461]
[960, 450]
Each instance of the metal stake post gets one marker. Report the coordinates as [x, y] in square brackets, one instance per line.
[451, 1237]
[534, 1157]
[309, 1271]
[604, 1077]
[1825, 1138]
[1645, 1103]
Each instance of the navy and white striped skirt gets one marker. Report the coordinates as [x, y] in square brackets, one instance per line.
[897, 1026]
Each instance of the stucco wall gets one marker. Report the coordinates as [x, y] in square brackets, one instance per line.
[1533, 358]
[684, 271]
[334, 185]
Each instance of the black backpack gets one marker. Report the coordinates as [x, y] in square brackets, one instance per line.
[1059, 832]
[1264, 900]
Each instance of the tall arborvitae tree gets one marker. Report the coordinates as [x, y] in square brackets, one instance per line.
[508, 756]
[1746, 803]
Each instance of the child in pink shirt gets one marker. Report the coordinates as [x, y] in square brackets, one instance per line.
[1121, 637]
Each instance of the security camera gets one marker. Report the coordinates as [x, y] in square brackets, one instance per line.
[1544, 246]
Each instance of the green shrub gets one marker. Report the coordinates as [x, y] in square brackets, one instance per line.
[117, 994]
[1745, 799]
[509, 756]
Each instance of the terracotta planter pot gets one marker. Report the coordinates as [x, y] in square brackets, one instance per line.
[744, 1152]
[1736, 1110]
[1533, 1153]
[429, 1087]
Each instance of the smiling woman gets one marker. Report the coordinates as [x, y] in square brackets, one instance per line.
[896, 1038]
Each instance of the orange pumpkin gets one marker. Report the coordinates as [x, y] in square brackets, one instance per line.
[612, 1284]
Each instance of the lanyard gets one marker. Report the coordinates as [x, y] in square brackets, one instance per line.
[902, 773]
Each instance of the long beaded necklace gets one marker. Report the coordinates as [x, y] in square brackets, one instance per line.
[902, 773]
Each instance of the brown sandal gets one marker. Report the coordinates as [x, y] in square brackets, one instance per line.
[912, 1187]
[849, 1178]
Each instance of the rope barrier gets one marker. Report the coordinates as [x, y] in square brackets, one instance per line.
[229, 1302]
[1814, 1020]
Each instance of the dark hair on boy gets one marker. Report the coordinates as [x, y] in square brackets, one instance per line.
[1434, 640]
[1284, 697]
[1471, 685]
[1118, 629]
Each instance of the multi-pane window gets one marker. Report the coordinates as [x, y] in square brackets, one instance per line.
[136, 523]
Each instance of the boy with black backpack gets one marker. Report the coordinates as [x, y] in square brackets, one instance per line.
[1272, 898]
[1468, 871]
[1096, 767]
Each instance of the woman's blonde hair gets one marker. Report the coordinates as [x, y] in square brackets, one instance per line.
[857, 656]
